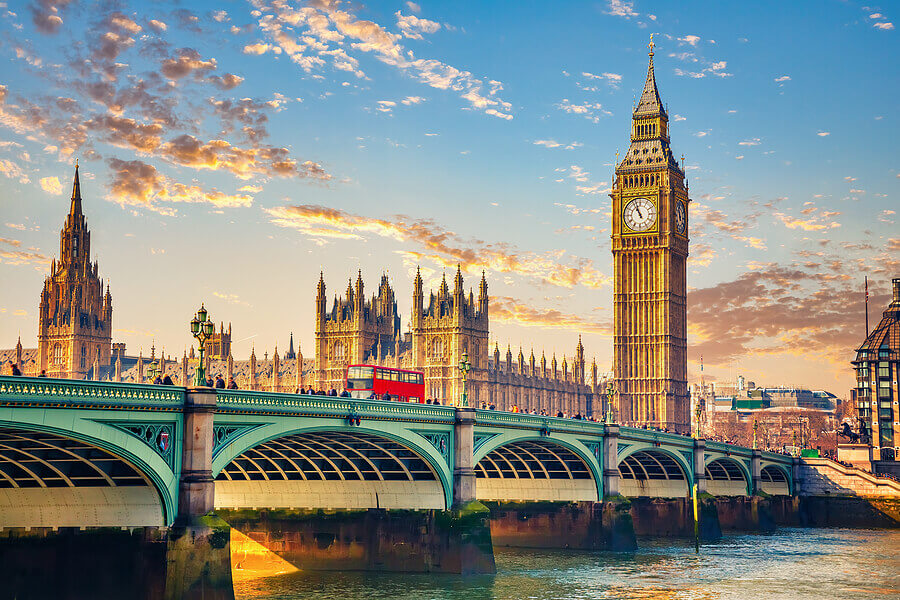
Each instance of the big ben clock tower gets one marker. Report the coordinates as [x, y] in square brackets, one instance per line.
[650, 249]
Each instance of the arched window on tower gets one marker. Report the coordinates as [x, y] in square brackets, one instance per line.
[337, 351]
[57, 354]
[83, 356]
[437, 350]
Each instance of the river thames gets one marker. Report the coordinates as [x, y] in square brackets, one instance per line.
[796, 564]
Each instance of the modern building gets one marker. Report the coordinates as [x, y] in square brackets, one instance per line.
[452, 324]
[650, 248]
[877, 367]
[74, 314]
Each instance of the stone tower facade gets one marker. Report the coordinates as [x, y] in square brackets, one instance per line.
[75, 315]
[218, 346]
[354, 331]
[451, 325]
[650, 249]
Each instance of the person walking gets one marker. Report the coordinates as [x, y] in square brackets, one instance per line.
[220, 383]
[167, 380]
[232, 384]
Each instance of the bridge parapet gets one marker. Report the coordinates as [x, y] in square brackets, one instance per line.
[43, 390]
[329, 406]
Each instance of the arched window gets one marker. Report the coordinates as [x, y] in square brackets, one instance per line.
[57, 354]
[437, 350]
[337, 351]
[83, 356]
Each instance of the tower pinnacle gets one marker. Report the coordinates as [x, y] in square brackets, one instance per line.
[75, 208]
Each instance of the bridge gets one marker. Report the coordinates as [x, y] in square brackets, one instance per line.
[163, 486]
[94, 454]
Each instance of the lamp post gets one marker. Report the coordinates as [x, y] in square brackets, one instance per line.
[697, 412]
[610, 392]
[465, 367]
[755, 427]
[202, 329]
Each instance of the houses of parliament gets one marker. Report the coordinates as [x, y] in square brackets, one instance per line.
[649, 247]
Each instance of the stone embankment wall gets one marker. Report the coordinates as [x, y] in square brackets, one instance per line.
[413, 541]
[822, 476]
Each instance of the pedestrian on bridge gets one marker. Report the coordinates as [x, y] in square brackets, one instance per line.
[220, 383]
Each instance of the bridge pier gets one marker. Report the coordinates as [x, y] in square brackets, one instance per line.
[198, 556]
[700, 465]
[755, 472]
[610, 461]
[464, 457]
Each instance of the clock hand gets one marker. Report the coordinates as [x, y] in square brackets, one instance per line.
[638, 211]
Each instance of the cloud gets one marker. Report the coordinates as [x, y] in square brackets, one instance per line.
[505, 309]
[621, 8]
[414, 7]
[693, 40]
[810, 310]
[228, 81]
[717, 219]
[438, 245]
[137, 183]
[701, 255]
[555, 144]
[323, 32]
[231, 299]
[261, 48]
[782, 79]
[751, 142]
[51, 185]
[12, 254]
[45, 15]
[716, 69]
[13, 171]
[187, 62]
[158, 26]
[887, 26]
[817, 222]
[411, 100]
[413, 27]
[823, 133]
[613, 79]
[585, 109]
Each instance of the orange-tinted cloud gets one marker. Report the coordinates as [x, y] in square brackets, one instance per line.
[440, 246]
[510, 310]
[138, 183]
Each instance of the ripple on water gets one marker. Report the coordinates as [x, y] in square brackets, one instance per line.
[795, 564]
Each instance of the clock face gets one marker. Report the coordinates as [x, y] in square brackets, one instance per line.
[639, 214]
[680, 217]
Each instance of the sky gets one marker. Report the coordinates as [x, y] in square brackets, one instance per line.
[231, 151]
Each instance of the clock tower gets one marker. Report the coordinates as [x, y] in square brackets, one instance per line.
[650, 249]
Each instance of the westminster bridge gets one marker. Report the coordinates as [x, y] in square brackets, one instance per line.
[316, 478]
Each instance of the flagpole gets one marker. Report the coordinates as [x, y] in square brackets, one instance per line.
[867, 307]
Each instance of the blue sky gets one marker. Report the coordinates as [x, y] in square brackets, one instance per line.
[231, 150]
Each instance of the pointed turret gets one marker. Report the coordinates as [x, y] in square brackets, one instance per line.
[650, 103]
[458, 282]
[483, 297]
[75, 207]
[496, 357]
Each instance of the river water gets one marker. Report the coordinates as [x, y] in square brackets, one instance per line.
[795, 564]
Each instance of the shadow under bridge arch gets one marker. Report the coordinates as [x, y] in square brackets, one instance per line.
[330, 469]
[652, 473]
[48, 479]
[528, 470]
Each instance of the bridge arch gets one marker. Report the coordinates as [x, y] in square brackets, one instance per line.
[775, 480]
[530, 467]
[55, 477]
[653, 472]
[332, 467]
[726, 476]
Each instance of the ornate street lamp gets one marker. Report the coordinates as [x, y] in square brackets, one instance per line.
[153, 370]
[202, 329]
[755, 427]
[697, 411]
[465, 367]
[610, 392]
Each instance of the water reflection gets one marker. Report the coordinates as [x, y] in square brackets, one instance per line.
[796, 564]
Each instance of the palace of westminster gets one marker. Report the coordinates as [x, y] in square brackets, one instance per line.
[648, 385]
[649, 246]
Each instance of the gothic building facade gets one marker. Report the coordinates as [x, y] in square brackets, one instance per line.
[452, 324]
[74, 314]
[355, 331]
[650, 249]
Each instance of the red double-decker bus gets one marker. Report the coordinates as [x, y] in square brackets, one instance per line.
[405, 386]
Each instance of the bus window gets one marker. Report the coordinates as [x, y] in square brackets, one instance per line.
[360, 378]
